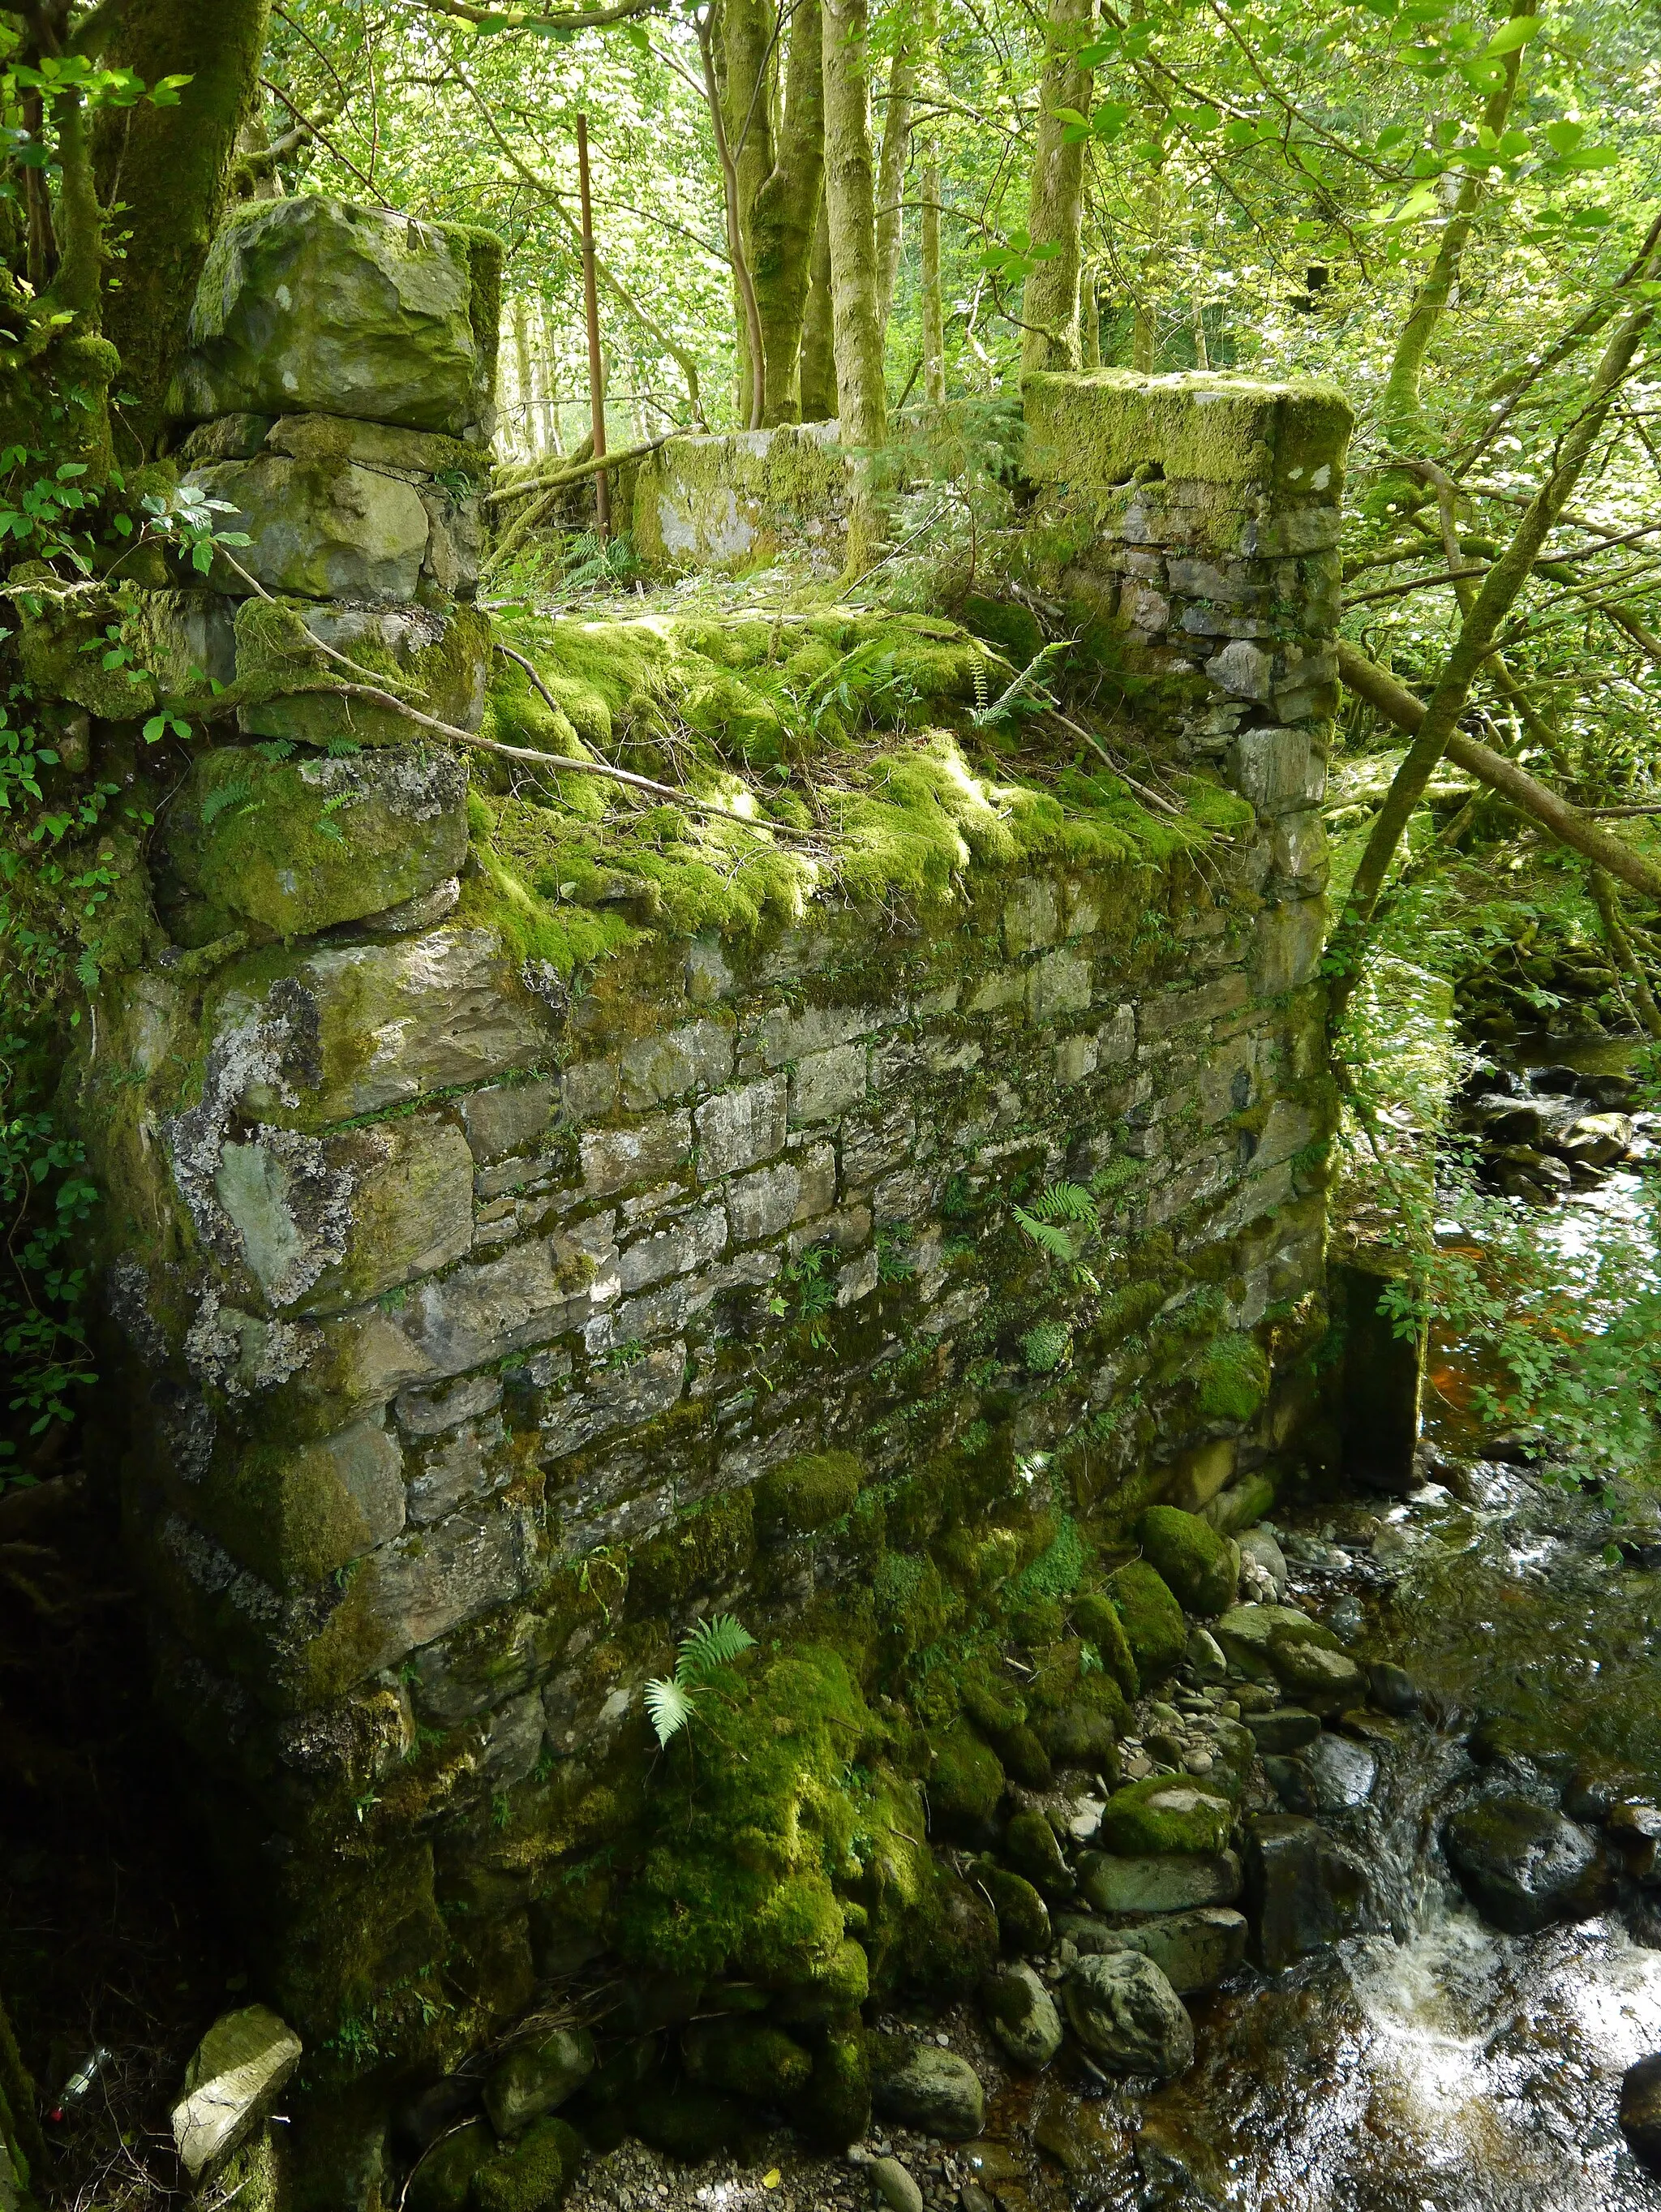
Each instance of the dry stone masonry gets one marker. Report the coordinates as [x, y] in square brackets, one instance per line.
[864, 1277]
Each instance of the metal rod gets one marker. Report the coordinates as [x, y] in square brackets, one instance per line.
[591, 311]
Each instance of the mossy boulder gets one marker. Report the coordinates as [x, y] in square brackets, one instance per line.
[750, 2057]
[966, 1783]
[301, 845]
[533, 2175]
[309, 305]
[835, 2108]
[1191, 1557]
[1163, 1813]
[1023, 2016]
[1153, 1627]
[806, 1493]
[924, 2086]
[441, 2181]
[1029, 1843]
[690, 2124]
[1023, 1917]
[1096, 1618]
[1230, 1378]
[536, 2076]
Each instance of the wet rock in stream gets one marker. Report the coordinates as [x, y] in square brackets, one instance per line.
[1128, 2016]
[1524, 1866]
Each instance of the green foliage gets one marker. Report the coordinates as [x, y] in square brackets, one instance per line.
[705, 1648]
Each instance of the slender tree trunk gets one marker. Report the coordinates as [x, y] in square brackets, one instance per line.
[862, 401]
[891, 176]
[818, 375]
[526, 394]
[1056, 212]
[751, 349]
[1089, 350]
[548, 354]
[1501, 587]
[1626, 961]
[781, 183]
[934, 325]
[1513, 783]
[171, 167]
[1403, 410]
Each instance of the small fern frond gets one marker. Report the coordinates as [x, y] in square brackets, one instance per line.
[711, 1644]
[1056, 1243]
[1066, 1202]
[669, 1707]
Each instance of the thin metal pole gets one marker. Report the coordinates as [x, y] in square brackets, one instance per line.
[591, 310]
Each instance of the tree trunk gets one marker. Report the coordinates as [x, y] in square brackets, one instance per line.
[818, 377]
[782, 214]
[891, 177]
[172, 168]
[1402, 410]
[934, 329]
[862, 401]
[1089, 350]
[527, 407]
[1055, 212]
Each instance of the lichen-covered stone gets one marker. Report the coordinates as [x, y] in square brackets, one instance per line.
[316, 532]
[925, 2087]
[310, 304]
[1128, 2017]
[232, 2080]
[298, 845]
[1193, 1950]
[733, 499]
[1176, 1883]
[1023, 2016]
[536, 2077]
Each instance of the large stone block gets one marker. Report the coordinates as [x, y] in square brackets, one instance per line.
[232, 2082]
[324, 1224]
[314, 304]
[439, 659]
[1098, 430]
[316, 532]
[724, 501]
[171, 640]
[305, 1038]
[299, 846]
[295, 1516]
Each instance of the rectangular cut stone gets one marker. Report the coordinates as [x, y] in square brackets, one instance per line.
[696, 1058]
[508, 1118]
[1288, 951]
[622, 1399]
[482, 1312]
[588, 1089]
[345, 1030]
[764, 1204]
[827, 1083]
[1032, 917]
[1058, 984]
[783, 1036]
[698, 1237]
[1215, 433]
[993, 993]
[739, 1128]
[429, 1413]
[412, 1591]
[614, 1158]
[461, 1468]
[1278, 770]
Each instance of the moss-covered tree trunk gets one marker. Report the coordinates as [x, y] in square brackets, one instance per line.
[1056, 212]
[934, 327]
[172, 168]
[818, 378]
[891, 175]
[783, 209]
[851, 196]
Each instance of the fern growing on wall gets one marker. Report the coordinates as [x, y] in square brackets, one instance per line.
[671, 1699]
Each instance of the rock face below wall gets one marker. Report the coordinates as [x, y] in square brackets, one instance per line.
[863, 1278]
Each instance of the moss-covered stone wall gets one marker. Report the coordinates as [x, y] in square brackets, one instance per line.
[859, 1266]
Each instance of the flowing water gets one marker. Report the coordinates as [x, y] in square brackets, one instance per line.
[1436, 2064]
